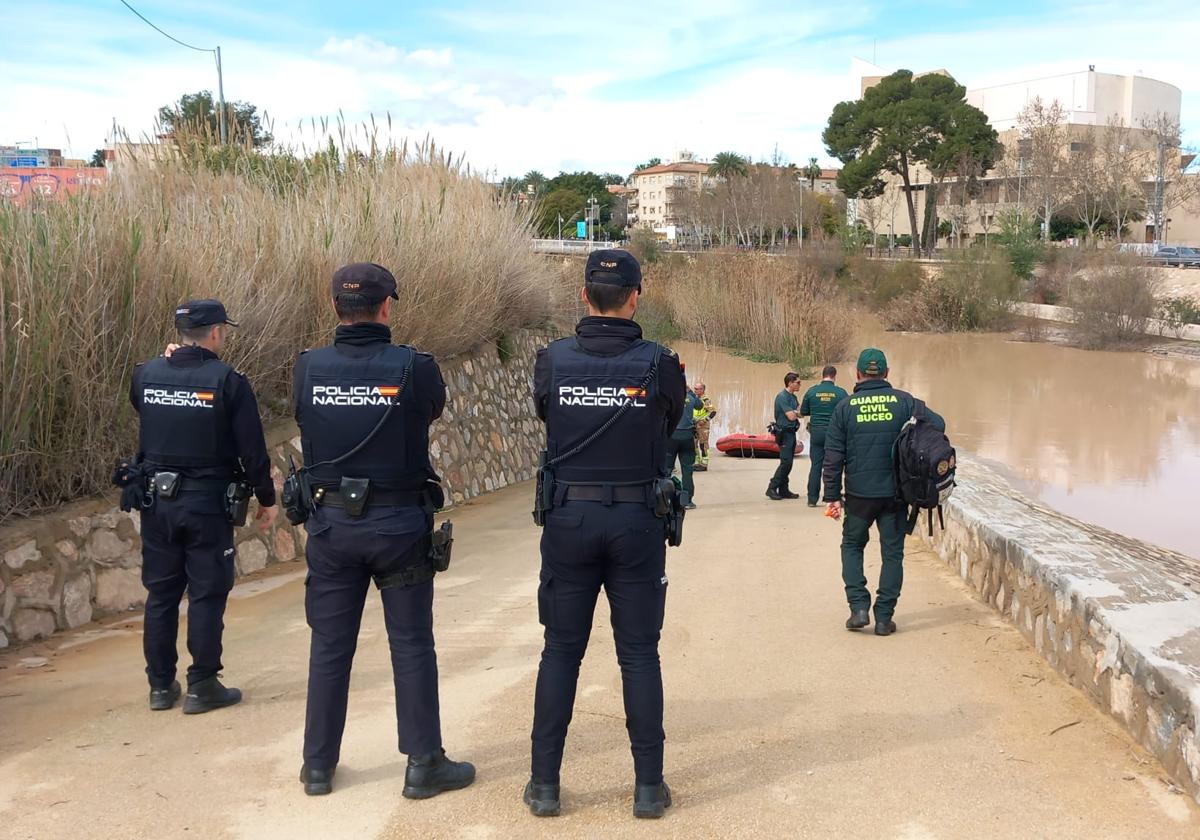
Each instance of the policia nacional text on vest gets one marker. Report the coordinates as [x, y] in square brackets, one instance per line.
[366, 496]
[609, 399]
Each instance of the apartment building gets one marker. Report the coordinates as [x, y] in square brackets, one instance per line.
[654, 191]
[1090, 101]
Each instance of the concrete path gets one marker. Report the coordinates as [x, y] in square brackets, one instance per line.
[779, 722]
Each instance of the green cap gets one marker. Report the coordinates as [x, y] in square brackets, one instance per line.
[872, 362]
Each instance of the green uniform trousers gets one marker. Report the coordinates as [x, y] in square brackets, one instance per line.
[682, 445]
[889, 516]
[816, 459]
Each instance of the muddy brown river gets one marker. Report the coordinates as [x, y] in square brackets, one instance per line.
[1109, 438]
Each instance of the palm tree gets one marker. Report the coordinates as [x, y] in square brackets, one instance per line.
[812, 172]
[536, 180]
[728, 164]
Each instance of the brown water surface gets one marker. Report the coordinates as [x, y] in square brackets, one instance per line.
[1110, 438]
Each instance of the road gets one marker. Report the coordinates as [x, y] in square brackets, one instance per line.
[779, 721]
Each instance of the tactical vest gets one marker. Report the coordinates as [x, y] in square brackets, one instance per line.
[184, 422]
[343, 399]
[586, 390]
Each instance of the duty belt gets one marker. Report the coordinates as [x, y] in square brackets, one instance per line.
[198, 485]
[607, 493]
[333, 498]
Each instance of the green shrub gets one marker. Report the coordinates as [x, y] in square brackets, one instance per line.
[976, 290]
[1177, 313]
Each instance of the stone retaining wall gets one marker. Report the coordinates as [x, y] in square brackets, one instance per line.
[1120, 619]
[83, 561]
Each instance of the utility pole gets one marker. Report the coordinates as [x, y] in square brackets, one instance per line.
[593, 217]
[1159, 184]
[221, 96]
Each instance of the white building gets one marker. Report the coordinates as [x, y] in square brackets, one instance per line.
[1089, 97]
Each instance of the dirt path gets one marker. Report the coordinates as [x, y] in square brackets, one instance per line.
[779, 722]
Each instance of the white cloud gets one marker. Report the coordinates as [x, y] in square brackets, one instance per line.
[362, 50]
[718, 81]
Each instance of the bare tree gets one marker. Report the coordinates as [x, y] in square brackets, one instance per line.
[1176, 179]
[869, 210]
[1125, 165]
[1043, 131]
[1086, 180]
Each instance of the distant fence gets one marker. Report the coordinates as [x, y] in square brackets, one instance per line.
[571, 246]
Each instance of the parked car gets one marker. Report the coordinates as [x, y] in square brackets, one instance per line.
[1181, 256]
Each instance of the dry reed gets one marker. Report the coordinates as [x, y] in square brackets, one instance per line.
[88, 285]
[784, 307]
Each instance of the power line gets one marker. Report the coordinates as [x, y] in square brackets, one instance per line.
[162, 32]
[216, 53]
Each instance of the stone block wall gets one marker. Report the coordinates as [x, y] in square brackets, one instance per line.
[83, 561]
[1118, 618]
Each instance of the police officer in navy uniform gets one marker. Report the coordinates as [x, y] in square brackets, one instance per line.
[364, 406]
[198, 422]
[602, 529]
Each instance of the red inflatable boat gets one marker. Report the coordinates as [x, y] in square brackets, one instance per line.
[743, 445]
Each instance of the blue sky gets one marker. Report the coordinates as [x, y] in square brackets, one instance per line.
[525, 85]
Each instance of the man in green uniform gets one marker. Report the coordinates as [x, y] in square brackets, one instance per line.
[703, 416]
[681, 445]
[859, 443]
[817, 406]
[787, 418]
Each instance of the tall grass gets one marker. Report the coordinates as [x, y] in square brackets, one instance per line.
[88, 285]
[785, 307]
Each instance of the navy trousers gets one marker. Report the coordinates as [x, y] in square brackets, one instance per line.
[187, 546]
[344, 554]
[622, 548]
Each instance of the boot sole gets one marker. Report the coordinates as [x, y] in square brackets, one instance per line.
[542, 807]
[430, 792]
[318, 790]
[653, 810]
[191, 707]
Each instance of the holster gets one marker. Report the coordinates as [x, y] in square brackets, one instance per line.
[668, 504]
[543, 499]
[237, 502]
[441, 542]
[296, 499]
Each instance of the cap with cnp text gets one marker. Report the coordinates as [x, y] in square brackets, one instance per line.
[371, 280]
[201, 313]
[616, 268]
[872, 362]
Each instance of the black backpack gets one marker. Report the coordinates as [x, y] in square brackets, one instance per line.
[925, 465]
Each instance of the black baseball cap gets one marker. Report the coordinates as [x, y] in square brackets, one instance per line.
[201, 313]
[616, 268]
[371, 280]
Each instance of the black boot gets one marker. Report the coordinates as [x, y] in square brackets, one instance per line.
[651, 801]
[885, 627]
[773, 494]
[162, 699]
[317, 782]
[209, 694]
[542, 799]
[431, 774]
[788, 494]
[858, 619]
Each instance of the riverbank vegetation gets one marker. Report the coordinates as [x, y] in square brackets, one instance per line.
[776, 307]
[88, 285]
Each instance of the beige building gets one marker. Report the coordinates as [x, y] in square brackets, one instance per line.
[654, 191]
[1090, 103]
